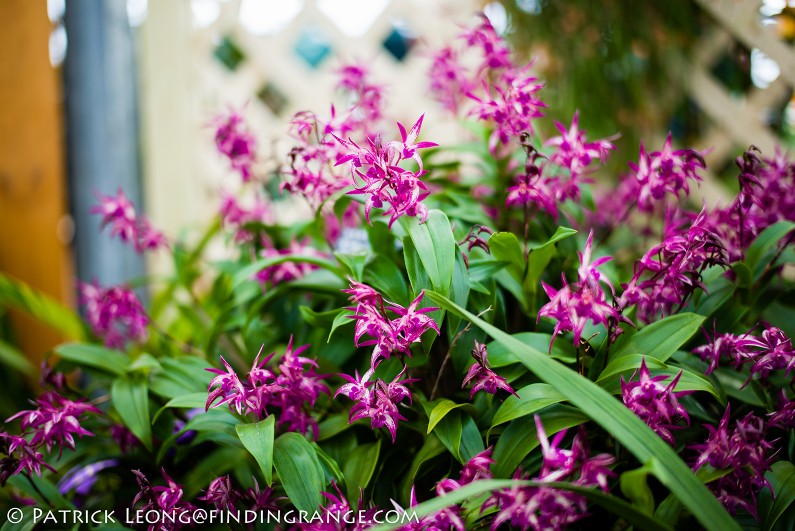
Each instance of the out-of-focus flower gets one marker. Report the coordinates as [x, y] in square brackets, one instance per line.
[288, 270]
[573, 152]
[239, 217]
[665, 172]
[235, 142]
[481, 375]
[221, 494]
[784, 416]
[124, 438]
[114, 313]
[540, 508]
[745, 451]
[119, 213]
[573, 305]
[21, 456]
[449, 80]
[166, 500]
[82, 478]
[656, 404]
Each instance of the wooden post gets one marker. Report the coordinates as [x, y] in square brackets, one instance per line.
[34, 229]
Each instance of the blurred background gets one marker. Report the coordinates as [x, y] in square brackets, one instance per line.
[101, 94]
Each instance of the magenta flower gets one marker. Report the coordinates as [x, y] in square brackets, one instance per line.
[737, 349]
[572, 306]
[545, 507]
[376, 400]
[291, 393]
[377, 174]
[776, 353]
[55, 421]
[119, 213]
[494, 51]
[744, 450]
[235, 142]
[532, 188]
[449, 80]
[656, 404]
[665, 172]
[368, 97]
[390, 334]
[668, 274]
[262, 500]
[482, 376]
[162, 499]
[22, 456]
[124, 438]
[221, 494]
[784, 416]
[115, 314]
[573, 152]
[240, 218]
[288, 270]
[511, 108]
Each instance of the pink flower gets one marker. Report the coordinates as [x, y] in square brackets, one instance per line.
[483, 377]
[573, 152]
[221, 494]
[377, 400]
[665, 172]
[287, 270]
[235, 142]
[449, 80]
[572, 306]
[654, 403]
[115, 314]
[119, 213]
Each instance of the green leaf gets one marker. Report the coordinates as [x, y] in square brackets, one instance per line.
[661, 339]
[541, 255]
[782, 479]
[14, 358]
[527, 400]
[767, 240]
[20, 296]
[471, 440]
[245, 273]
[430, 449]
[188, 401]
[257, 438]
[505, 247]
[130, 396]
[472, 490]
[442, 408]
[354, 263]
[435, 246]
[342, 318]
[636, 489]
[180, 376]
[519, 438]
[359, 468]
[95, 356]
[449, 431]
[299, 469]
[616, 419]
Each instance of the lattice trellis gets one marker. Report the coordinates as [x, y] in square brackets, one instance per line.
[189, 73]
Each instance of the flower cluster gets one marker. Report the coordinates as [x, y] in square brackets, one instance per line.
[312, 160]
[234, 141]
[389, 335]
[527, 507]
[240, 217]
[766, 195]
[573, 305]
[771, 351]
[285, 271]
[481, 375]
[377, 174]
[290, 394]
[656, 404]
[743, 450]
[477, 468]
[114, 313]
[669, 273]
[665, 172]
[118, 212]
[54, 423]
[165, 500]
[377, 399]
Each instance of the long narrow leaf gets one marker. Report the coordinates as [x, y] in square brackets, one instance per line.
[614, 417]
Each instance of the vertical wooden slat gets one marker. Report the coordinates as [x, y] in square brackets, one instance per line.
[32, 190]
